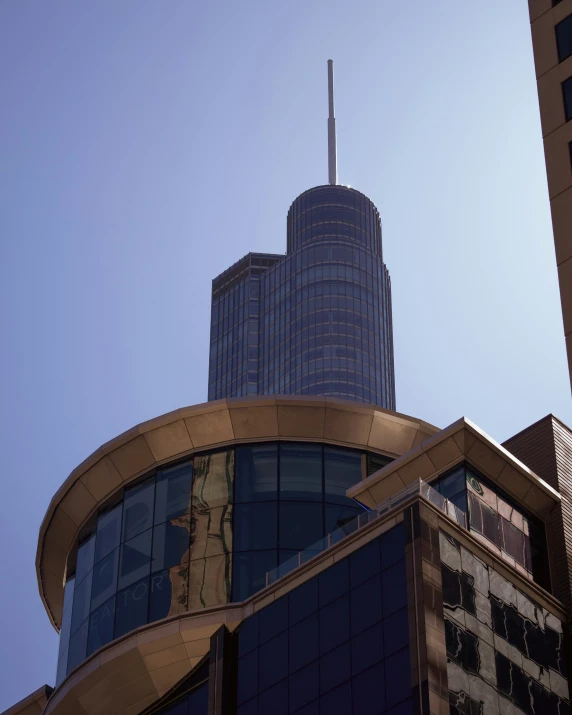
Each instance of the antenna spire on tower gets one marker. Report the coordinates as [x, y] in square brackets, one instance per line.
[332, 155]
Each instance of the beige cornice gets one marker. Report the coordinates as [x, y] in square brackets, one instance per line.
[197, 428]
[460, 441]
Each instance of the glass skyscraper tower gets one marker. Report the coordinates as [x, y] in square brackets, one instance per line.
[316, 321]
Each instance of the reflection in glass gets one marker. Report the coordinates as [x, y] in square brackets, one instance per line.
[108, 531]
[300, 471]
[84, 560]
[138, 509]
[169, 592]
[173, 493]
[101, 626]
[256, 473]
[209, 581]
[104, 579]
[211, 530]
[342, 469]
[131, 607]
[135, 559]
[170, 544]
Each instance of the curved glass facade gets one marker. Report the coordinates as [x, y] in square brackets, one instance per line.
[200, 534]
[316, 321]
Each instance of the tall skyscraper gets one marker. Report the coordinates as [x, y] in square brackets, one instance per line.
[551, 23]
[316, 321]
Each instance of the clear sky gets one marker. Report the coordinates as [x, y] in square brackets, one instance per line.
[146, 145]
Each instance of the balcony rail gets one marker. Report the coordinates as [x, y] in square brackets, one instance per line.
[362, 520]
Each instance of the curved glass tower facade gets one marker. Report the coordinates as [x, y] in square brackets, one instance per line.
[316, 321]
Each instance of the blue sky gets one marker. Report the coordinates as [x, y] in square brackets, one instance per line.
[145, 145]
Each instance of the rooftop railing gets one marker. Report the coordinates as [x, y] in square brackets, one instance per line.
[362, 520]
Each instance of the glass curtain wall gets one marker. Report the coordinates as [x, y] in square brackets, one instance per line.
[194, 536]
[338, 643]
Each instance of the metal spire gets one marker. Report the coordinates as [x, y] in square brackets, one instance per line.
[332, 155]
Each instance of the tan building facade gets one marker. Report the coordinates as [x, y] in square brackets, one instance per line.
[551, 24]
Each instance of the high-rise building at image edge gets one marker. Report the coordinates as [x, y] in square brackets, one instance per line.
[309, 553]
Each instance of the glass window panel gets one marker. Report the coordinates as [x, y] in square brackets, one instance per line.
[62, 666]
[67, 613]
[101, 626]
[249, 708]
[300, 472]
[392, 546]
[395, 632]
[342, 517]
[304, 642]
[84, 562]
[249, 572]
[169, 592]
[255, 526]
[310, 709]
[171, 543]
[394, 588]
[334, 582]
[273, 661]
[108, 531]
[365, 563]
[131, 607]
[564, 38]
[81, 600]
[366, 606]
[335, 667]
[198, 700]
[342, 469]
[247, 677]
[273, 620]
[368, 689]
[275, 699]
[78, 646]
[173, 493]
[490, 524]
[567, 96]
[304, 686]
[104, 579]
[213, 480]
[248, 635]
[403, 708]
[397, 677]
[209, 581]
[135, 559]
[301, 524]
[334, 624]
[257, 473]
[367, 648]
[138, 509]
[303, 601]
[338, 701]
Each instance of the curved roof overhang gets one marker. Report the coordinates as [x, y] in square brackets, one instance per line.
[207, 426]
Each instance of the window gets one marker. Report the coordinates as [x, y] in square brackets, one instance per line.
[567, 96]
[564, 38]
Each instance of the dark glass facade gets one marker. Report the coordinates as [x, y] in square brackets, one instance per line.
[316, 321]
[337, 644]
[200, 534]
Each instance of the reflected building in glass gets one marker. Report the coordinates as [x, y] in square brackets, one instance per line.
[316, 321]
